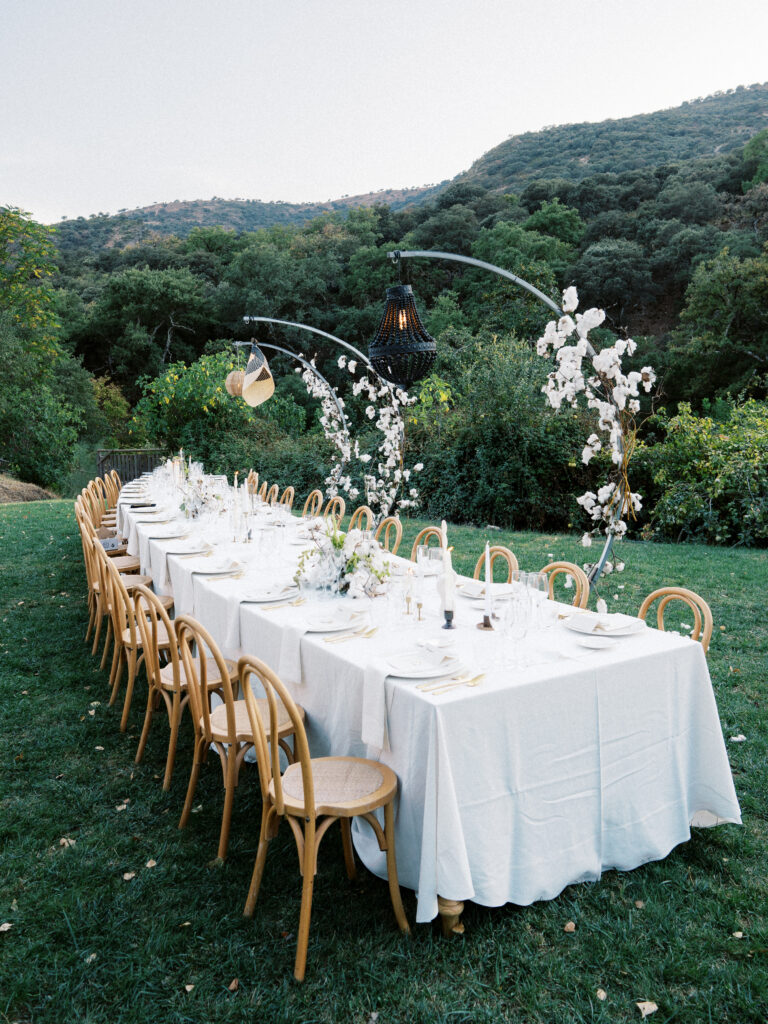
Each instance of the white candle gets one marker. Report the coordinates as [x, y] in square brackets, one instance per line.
[444, 532]
[449, 584]
[488, 581]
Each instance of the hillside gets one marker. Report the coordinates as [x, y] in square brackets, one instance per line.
[179, 217]
[702, 127]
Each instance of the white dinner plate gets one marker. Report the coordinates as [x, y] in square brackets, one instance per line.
[605, 625]
[597, 643]
[425, 665]
[334, 622]
[475, 590]
[271, 595]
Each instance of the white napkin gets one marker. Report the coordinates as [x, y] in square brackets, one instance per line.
[374, 729]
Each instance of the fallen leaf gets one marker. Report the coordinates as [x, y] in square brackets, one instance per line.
[601, 994]
[121, 807]
[738, 935]
[90, 959]
[196, 810]
[128, 875]
[185, 924]
[570, 926]
[95, 704]
[234, 985]
[639, 904]
[738, 739]
[151, 864]
[646, 1008]
[25, 692]
[6, 926]
[91, 712]
[14, 905]
[188, 988]
[98, 748]
[66, 841]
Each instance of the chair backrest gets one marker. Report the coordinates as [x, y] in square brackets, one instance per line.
[102, 490]
[272, 494]
[262, 492]
[116, 477]
[253, 481]
[97, 502]
[313, 504]
[497, 551]
[387, 526]
[286, 498]
[335, 508]
[268, 755]
[120, 604]
[361, 519]
[189, 632]
[86, 536]
[112, 492]
[150, 616]
[577, 575]
[424, 537]
[702, 616]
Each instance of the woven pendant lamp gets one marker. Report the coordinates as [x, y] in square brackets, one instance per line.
[402, 351]
[258, 383]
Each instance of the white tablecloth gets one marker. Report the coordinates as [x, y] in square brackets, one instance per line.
[538, 778]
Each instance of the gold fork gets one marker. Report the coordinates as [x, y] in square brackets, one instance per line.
[444, 687]
[197, 554]
[285, 604]
[228, 576]
[360, 634]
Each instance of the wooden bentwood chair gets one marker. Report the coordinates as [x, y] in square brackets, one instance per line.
[424, 537]
[361, 519]
[286, 498]
[702, 616]
[497, 551]
[272, 494]
[230, 726]
[387, 526]
[313, 504]
[311, 795]
[577, 575]
[167, 682]
[335, 509]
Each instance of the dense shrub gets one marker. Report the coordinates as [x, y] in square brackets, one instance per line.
[713, 477]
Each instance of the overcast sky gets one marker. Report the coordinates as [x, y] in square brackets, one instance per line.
[107, 104]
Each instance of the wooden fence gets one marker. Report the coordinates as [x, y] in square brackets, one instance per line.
[129, 462]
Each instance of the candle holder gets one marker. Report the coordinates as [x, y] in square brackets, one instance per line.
[486, 623]
[448, 620]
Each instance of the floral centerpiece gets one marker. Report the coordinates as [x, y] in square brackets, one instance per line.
[352, 562]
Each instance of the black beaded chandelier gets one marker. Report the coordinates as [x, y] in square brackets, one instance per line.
[402, 351]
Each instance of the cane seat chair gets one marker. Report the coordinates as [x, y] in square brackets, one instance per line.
[313, 504]
[311, 795]
[335, 509]
[361, 519]
[262, 492]
[702, 615]
[286, 498]
[504, 555]
[167, 682]
[580, 581]
[272, 494]
[424, 537]
[228, 727]
[387, 527]
[253, 481]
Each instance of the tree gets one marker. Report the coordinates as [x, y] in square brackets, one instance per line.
[613, 274]
[557, 220]
[27, 262]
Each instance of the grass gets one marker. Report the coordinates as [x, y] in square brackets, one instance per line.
[87, 946]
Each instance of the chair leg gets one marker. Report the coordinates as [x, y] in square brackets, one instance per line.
[200, 746]
[107, 640]
[229, 799]
[308, 883]
[147, 723]
[95, 646]
[349, 853]
[91, 616]
[394, 887]
[116, 672]
[258, 867]
[172, 740]
[132, 670]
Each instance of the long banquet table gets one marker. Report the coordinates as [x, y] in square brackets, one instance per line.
[540, 777]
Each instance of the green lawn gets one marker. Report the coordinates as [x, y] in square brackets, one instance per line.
[88, 946]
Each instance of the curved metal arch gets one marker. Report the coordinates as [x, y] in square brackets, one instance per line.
[396, 255]
[312, 330]
[308, 366]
